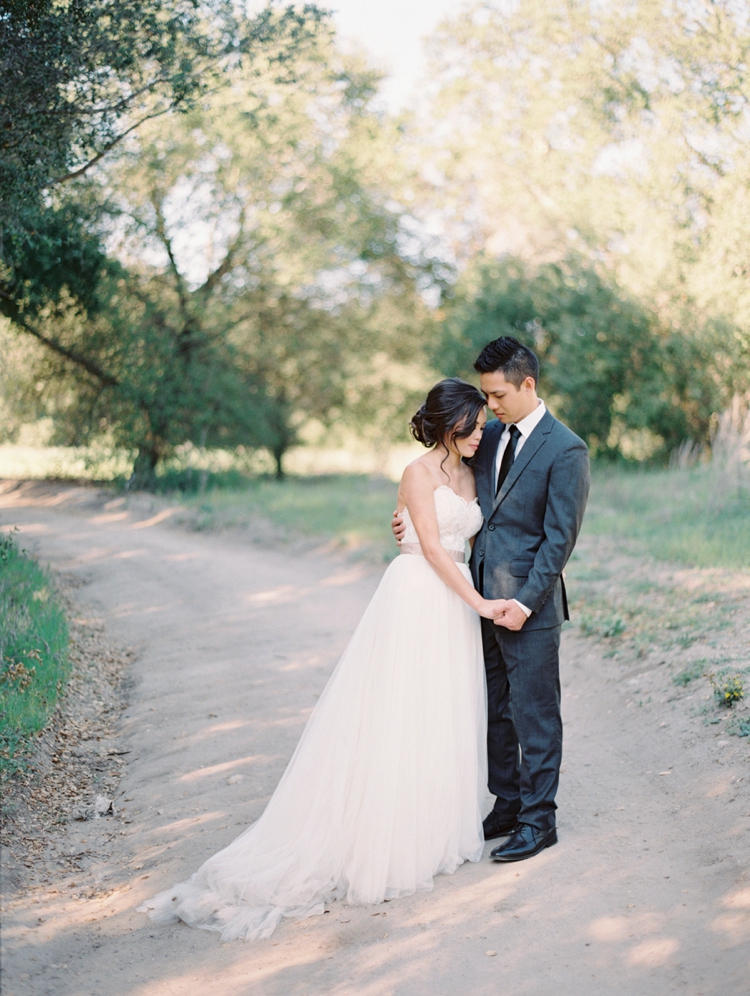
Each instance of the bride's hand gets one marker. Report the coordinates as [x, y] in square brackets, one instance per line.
[493, 608]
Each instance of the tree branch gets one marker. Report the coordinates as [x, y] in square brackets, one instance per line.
[161, 232]
[226, 264]
[706, 162]
[118, 138]
[110, 145]
[69, 354]
[124, 102]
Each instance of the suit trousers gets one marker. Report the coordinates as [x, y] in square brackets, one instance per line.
[524, 728]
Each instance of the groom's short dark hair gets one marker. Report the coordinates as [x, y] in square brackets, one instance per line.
[509, 356]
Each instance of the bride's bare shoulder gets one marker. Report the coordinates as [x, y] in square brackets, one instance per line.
[418, 471]
[418, 479]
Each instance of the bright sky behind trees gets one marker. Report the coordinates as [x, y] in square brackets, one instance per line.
[392, 32]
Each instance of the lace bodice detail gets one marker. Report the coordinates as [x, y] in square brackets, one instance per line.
[458, 520]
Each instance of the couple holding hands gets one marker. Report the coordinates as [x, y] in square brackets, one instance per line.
[449, 686]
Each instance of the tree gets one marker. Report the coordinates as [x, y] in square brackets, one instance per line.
[618, 131]
[75, 80]
[259, 257]
[609, 368]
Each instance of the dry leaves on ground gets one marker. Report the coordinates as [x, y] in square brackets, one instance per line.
[76, 764]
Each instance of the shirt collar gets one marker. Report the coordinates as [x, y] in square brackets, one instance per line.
[531, 421]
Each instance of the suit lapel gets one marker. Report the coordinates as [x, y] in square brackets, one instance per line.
[484, 464]
[533, 444]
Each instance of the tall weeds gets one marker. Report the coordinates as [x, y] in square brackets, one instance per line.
[730, 455]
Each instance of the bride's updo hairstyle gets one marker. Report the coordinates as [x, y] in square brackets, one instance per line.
[450, 412]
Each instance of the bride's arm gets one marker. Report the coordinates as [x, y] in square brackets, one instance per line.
[417, 490]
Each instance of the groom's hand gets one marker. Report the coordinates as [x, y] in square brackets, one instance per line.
[398, 527]
[512, 617]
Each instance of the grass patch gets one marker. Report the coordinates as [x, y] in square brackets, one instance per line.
[670, 515]
[33, 652]
[739, 726]
[695, 671]
[633, 613]
[353, 511]
[673, 515]
[685, 516]
[602, 626]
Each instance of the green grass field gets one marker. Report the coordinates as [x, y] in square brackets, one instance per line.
[682, 516]
[351, 511]
[694, 517]
[698, 516]
[33, 652]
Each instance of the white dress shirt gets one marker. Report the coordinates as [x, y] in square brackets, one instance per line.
[525, 427]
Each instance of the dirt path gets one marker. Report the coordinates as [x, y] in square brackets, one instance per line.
[647, 894]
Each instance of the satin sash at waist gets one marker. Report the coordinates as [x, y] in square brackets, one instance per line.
[415, 549]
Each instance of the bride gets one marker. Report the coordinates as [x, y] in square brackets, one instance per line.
[384, 789]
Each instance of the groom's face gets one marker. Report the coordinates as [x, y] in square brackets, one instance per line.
[506, 401]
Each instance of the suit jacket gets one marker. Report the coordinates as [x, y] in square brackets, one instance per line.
[531, 526]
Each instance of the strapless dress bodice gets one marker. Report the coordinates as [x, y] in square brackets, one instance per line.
[458, 520]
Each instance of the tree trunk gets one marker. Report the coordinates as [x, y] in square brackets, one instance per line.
[203, 477]
[278, 455]
[144, 468]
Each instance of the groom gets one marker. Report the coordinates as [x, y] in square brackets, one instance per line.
[532, 479]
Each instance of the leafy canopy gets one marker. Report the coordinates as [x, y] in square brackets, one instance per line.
[76, 78]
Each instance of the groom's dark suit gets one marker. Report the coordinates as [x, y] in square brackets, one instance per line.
[530, 529]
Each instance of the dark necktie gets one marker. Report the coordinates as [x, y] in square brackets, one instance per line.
[508, 456]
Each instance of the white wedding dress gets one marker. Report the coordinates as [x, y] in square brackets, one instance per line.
[384, 789]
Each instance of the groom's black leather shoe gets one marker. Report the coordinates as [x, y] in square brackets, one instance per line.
[525, 842]
[497, 825]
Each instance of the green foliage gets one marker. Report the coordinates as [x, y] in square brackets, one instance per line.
[75, 80]
[619, 131]
[739, 726]
[264, 279]
[33, 652]
[620, 380]
[617, 126]
[122, 360]
[268, 299]
[51, 250]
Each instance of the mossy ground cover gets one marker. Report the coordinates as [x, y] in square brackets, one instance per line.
[33, 652]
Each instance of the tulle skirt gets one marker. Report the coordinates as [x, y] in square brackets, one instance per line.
[384, 789]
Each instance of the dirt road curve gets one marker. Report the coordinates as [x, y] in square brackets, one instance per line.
[648, 892]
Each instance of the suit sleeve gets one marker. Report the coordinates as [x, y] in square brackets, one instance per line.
[566, 500]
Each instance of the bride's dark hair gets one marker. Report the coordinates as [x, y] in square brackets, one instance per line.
[450, 411]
